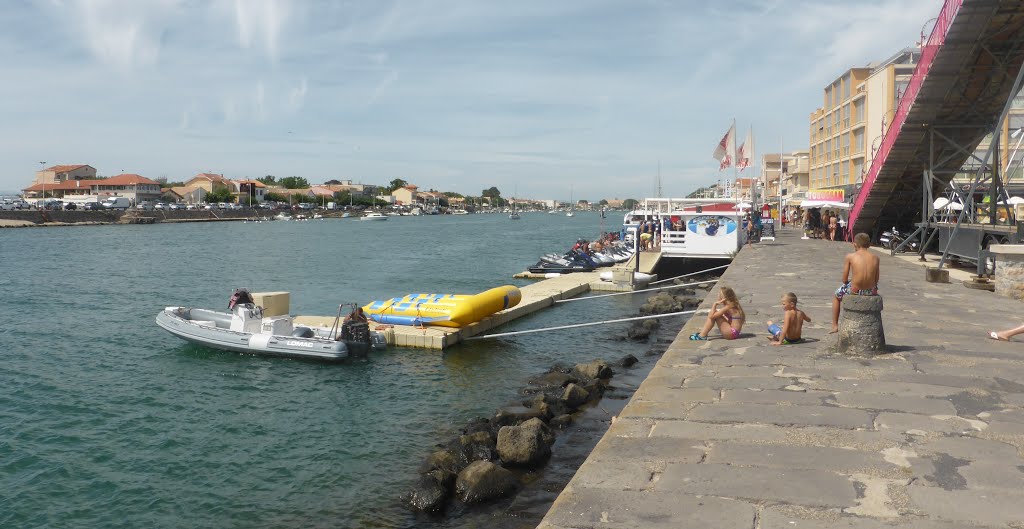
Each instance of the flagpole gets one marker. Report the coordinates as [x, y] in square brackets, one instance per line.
[781, 172]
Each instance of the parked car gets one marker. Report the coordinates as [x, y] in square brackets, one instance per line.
[175, 206]
[70, 206]
[117, 203]
[92, 206]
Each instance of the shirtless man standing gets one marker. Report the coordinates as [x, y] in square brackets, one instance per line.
[864, 266]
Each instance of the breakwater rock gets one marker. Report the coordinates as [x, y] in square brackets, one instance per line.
[493, 457]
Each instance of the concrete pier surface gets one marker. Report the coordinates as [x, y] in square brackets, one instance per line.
[740, 434]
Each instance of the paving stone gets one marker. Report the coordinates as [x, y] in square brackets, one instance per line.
[893, 403]
[838, 460]
[577, 508]
[772, 396]
[996, 427]
[631, 427]
[678, 395]
[972, 449]
[901, 389]
[782, 415]
[637, 409]
[616, 474]
[924, 424]
[789, 517]
[989, 475]
[812, 488]
[765, 382]
[705, 431]
[968, 506]
[664, 449]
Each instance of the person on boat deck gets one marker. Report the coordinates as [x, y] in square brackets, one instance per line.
[356, 315]
[726, 314]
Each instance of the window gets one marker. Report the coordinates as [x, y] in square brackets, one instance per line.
[828, 97]
[846, 86]
[858, 168]
[846, 116]
[858, 111]
[844, 173]
[858, 141]
[845, 140]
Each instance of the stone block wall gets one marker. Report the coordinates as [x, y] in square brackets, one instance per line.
[1009, 270]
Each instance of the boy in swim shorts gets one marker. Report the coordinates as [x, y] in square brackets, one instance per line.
[864, 266]
[792, 323]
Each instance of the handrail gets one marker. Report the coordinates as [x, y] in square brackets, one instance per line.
[928, 51]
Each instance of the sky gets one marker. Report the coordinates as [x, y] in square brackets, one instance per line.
[542, 99]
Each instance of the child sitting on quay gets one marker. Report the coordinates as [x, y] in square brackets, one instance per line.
[792, 323]
[726, 313]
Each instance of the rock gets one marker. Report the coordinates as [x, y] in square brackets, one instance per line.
[627, 361]
[514, 415]
[445, 460]
[561, 421]
[431, 492]
[479, 424]
[574, 396]
[553, 379]
[483, 480]
[650, 324]
[595, 370]
[526, 444]
[549, 405]
[638, 333]
[474, 447]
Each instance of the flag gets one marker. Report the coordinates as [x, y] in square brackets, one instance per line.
[726, 150]
[746, 151]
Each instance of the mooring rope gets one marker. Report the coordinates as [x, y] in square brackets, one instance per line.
[688, 275]
[577, 325]
[635, 291]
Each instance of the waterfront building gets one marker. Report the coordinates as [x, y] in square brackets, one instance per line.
[186, 194]
[253, 189]
[65, 173]
[134, 187]
[795, 170]
[405, 195]
[847, 130]
[208, 181]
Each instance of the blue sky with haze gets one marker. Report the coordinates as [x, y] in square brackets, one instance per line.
[535, 96]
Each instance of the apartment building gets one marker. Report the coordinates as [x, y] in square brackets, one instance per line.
[794, 168]
[848, 128]
[64, 173]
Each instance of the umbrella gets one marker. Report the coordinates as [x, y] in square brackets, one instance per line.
[742, 205]
[1015, 200]
[944, 203]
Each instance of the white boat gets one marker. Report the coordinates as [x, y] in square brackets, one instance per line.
[246, 330]
[283, 216]
[374, 216]
[570, 213]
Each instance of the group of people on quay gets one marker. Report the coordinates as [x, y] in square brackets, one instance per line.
[861, 272]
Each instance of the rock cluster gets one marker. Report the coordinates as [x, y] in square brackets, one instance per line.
[490, 456]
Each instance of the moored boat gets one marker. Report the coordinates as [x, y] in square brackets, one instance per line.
[246, 330]
[374, 216]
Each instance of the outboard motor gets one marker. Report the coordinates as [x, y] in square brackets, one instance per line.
[356, 334]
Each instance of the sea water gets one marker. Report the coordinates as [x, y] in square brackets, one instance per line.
[108, 421]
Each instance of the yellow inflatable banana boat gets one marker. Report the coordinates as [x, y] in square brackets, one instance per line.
[445, 310]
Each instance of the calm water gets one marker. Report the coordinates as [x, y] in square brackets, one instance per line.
[107, 420]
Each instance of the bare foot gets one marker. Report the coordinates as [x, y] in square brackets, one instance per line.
[835, 329]
[998, 336]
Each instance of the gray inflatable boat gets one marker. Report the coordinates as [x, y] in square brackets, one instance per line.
[245, 330]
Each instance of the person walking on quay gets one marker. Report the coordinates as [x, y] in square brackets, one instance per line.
[750, 230]
[864, 266]
[726, 314]
[792, 323]
[1007, 334]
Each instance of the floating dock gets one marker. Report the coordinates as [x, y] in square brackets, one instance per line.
[536, 296]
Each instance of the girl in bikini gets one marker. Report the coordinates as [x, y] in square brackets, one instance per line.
[726, 313]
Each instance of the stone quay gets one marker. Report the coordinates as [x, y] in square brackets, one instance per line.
[740, 434]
